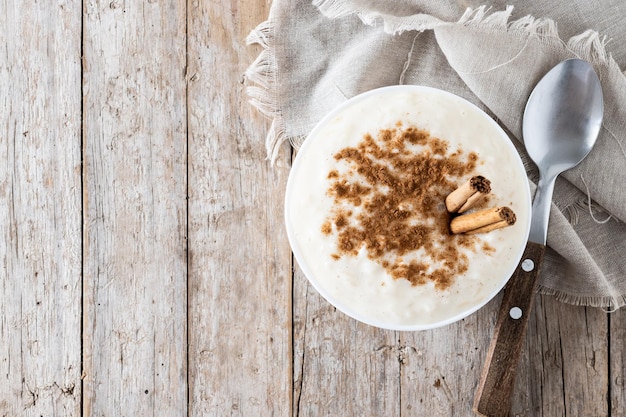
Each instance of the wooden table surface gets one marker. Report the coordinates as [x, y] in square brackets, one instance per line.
[144, 264]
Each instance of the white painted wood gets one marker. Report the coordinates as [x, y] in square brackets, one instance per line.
[135, 184]
[40, 217]
[239, 259]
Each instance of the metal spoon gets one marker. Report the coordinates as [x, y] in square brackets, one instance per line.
[561, 124]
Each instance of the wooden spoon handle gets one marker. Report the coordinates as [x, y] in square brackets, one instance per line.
[493, 397]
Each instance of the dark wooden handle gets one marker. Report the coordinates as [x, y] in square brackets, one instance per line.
[493, 397]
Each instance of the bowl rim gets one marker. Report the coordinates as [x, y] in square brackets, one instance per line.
[297, 252]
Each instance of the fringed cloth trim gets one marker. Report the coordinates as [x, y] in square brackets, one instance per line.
[589, 45]
[609, 304]
[262, 89]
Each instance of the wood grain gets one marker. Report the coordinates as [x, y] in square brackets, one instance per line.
[442, 366]
[564, 370]
[239, 259]
[40, 220]
[342, 367]
[617, 372]
[135, 184]
[169, 242]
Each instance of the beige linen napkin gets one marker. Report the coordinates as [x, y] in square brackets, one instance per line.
[318, 55]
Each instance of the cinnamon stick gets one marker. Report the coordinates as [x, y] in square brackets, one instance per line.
[468, 194]
[483, 220]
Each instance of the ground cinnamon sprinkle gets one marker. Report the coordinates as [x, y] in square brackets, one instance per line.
[390, 201]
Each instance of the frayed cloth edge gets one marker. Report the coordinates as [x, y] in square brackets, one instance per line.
[334, 9]
[607, 303]
[261, 79]
[589, 45]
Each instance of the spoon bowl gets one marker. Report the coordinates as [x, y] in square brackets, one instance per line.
[563, 116]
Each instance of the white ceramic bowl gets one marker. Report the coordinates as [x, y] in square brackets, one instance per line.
[360, 287]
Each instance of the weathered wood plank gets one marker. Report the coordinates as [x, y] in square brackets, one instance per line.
[239, 259]
[442, 367]
[240, 295]
[617, 365]
[565, 369]
[342, 367]
[40, 208]
[135, 169]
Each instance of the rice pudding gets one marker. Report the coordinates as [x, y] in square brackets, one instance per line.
[366, 216]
